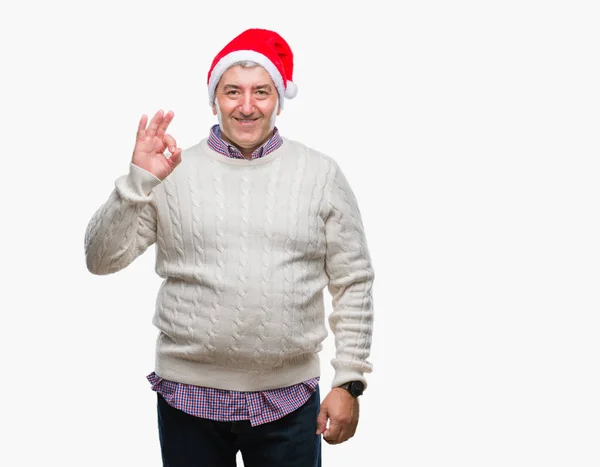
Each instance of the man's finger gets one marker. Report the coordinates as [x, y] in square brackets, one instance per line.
[170, 143]
[322, 420]
[141, 131]
[164, 124]
[175, 158]
[154, 123]
[345, 434]
[332, 434]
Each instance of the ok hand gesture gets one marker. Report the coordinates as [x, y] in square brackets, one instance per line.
[151, 143]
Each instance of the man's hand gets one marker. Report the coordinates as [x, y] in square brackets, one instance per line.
[341, 409]
[151, 143]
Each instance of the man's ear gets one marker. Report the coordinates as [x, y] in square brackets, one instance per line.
[214, 108]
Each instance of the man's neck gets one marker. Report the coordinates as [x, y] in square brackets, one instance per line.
[246, 152]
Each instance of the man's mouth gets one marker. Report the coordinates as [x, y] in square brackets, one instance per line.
[246, 121]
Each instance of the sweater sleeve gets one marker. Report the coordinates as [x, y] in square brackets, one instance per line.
[348, 266]
[123, 227]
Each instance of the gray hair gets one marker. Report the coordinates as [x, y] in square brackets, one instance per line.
[246, 64]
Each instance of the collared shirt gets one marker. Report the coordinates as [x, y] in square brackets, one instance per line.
[228, 406]
[216, 143]
[218, 404]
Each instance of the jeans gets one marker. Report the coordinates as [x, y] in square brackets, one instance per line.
[189, 441]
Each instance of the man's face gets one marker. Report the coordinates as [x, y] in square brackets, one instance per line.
[248, 103]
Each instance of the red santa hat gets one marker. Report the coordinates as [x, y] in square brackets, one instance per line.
[268, 49]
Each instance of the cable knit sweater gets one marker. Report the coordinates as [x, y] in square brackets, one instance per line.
[246, 248]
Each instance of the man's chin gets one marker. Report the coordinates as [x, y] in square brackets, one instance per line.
[247, 138]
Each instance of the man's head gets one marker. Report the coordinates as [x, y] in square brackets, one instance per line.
[268, 49]
[247, 83]
[247, 103]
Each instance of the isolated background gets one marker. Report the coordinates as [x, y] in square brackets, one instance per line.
[469, 132]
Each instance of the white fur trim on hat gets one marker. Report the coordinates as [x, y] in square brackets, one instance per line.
[241, 55]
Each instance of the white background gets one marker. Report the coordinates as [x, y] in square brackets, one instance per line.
[469, 132]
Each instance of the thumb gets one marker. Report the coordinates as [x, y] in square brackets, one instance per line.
[175, 158]
[322, 420]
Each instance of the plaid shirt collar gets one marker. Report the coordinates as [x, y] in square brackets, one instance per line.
[216, 143]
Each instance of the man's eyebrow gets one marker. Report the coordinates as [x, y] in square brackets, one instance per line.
[259, 87]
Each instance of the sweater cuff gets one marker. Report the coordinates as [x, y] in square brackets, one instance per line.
[345, 375]
[137, 185]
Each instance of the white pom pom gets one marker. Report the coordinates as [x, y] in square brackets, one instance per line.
[291, 90]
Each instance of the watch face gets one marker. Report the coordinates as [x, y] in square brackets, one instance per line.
[357, 387]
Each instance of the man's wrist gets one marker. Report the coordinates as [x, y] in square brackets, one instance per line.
[355, 388]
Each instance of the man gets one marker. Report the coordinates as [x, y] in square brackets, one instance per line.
[249, 227]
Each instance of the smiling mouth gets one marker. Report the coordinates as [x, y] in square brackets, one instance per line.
[246, 121]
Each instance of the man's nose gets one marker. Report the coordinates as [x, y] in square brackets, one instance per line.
[247, 103]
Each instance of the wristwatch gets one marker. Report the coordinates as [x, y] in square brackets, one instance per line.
[355, 388]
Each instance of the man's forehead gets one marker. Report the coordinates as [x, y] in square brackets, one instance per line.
[246, 69]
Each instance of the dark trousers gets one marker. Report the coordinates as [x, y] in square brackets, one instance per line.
[291, 441]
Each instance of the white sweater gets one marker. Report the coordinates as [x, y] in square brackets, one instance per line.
[246, 248]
